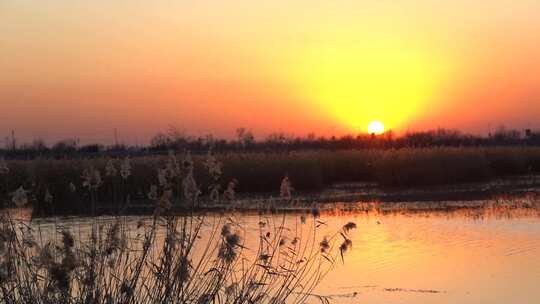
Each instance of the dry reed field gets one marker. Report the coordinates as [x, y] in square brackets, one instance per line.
[163, 259]
[244, 173]
[193, 257]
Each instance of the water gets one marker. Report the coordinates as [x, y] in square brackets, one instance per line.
[441, 258]
[466, 256]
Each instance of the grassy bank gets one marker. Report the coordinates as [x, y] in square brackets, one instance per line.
[263, 172]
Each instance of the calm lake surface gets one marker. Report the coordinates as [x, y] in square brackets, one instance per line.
[465, 256]
[441, 258]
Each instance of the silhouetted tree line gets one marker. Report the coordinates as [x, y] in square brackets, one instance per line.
[245, 141]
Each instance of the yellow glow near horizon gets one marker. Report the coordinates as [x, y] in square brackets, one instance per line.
[357, 81]
[322, 67]
[376, 127]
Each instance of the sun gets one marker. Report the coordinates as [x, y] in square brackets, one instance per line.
[376, 127]
[354, 83]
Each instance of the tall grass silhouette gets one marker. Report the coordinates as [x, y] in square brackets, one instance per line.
[131, 179]
[190, 258]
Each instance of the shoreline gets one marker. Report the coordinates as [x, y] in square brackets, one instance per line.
[345, 195]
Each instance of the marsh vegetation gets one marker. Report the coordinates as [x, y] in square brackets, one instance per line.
[243, 173]
[193, 257]
[162, 258]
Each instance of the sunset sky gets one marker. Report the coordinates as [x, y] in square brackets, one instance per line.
[83, 68]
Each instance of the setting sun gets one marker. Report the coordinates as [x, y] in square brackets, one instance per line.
[376, 127]
[392, 79]
[185, 132]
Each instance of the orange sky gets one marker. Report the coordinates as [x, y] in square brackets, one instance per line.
[75, 69]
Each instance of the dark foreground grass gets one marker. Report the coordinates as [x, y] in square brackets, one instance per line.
[263, 172]
[162, 258]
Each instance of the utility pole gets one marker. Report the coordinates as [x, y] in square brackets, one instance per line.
[13, 144]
